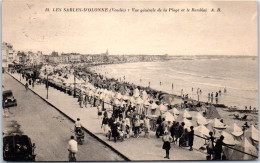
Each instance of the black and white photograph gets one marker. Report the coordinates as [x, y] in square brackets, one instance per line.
[114, 81]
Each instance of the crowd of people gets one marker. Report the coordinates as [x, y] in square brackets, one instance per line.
[123, 119]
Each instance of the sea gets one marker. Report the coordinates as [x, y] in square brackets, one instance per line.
[189, 74]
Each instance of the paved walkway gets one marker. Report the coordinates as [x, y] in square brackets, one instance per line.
[137, 149]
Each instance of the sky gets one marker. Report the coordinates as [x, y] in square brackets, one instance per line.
[232, 31]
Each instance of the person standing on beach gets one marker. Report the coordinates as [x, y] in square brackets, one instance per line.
[180, 133]
[218, 148]
[191, 137]
[86, 100]
[146, 127]
[210, 146]
[172, 130]
[176, 128]
[80, 99]
[104, 125]
[216, 97]
[99, 108]
[166, 143]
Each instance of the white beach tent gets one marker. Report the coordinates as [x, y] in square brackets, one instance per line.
[125, 97]
[217, 124]
[202, 131]
[136, 93]
[175, 111]
[144, 95]
[187, 122]
[252, 133]
[119, 96]
[139, 100]
[107, 99]
[153, 111]
[168, 117]
[246, 147]
[186, 114]
[236, 130]
[146, 103]
[200, 119]
[116, 102]
[154, 105]
[228, 138]
[102, 96]
[163, 108]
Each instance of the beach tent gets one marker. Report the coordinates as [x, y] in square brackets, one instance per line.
[116, 102]
[102, 96]
[246, 147]
[167, 98]
[212, 113]
[163, 108]
[153, 112]
[217, 124]
[186, 114]
[187, 122]
[228, 138]
[125, 97]
[252, 133]
[139, 100]
[48, 68]
[154, 105]
[118, 96]
[144, 95]
[236, 130]
[146, 103]
[174, 111]
[200, 119]
[202, 131]
[132, 99]
[122, 89]
[107, 99]
[168, 117]
[136, 93]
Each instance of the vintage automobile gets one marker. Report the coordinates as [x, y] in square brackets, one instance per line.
[18, 148]
[8, 99]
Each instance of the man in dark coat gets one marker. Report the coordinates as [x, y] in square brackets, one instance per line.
[191, 137]
[180, 133]
[114, 131]
[218, 148]
[172, 130]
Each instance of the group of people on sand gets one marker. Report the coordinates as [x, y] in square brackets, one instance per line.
[214, 149]
[249, 109]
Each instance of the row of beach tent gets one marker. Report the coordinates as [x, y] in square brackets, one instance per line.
[202, 126]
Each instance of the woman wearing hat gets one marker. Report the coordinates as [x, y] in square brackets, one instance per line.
[166, 143]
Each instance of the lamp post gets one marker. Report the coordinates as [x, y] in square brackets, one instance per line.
[47, 87]
[74, 85]
[47, 84]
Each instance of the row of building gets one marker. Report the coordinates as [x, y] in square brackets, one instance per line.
[10, 56]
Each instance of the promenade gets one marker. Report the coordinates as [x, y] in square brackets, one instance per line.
[136, 149]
